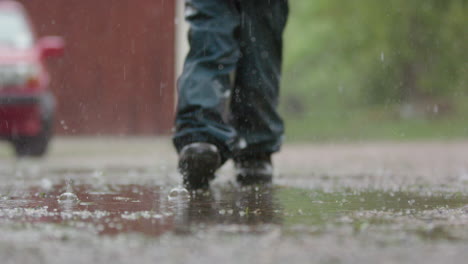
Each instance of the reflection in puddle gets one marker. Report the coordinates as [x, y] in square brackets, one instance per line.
[154, 210]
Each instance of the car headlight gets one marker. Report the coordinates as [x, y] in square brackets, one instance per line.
[21, 74]
[26, 69]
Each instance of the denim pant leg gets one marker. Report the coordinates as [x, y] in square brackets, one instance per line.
[255, 96]
[205, 84]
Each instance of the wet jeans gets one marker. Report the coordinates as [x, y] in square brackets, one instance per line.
[229, 88]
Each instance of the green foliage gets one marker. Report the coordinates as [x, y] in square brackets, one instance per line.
[421, 52]
[398, 50]
[346, 58]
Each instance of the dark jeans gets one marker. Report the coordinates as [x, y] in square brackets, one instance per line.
[228, 91]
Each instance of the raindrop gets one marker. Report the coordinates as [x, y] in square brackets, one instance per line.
[63, 124]
[242, 143]
[46, 184]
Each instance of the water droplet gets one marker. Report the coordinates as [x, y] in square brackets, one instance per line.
[63, 124]
[242, 144]
[68, 197]
[46, 184]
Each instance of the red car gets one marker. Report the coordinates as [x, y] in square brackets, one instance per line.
[26, 106]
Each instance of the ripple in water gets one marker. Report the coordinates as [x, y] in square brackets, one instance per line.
[179, 193]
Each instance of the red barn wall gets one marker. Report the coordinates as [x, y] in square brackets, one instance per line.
[117, 75]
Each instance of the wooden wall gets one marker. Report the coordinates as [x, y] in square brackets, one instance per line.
[117, 75]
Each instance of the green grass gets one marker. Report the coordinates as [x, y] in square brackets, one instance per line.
[329, 122]
[379, 123]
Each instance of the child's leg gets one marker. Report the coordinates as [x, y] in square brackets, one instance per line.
[255, 96]
[205, 82]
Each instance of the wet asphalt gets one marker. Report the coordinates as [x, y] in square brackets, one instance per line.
[115, 200]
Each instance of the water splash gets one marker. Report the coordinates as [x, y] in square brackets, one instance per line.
[68, 197]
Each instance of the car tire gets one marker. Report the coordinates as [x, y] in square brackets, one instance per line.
[36, 146]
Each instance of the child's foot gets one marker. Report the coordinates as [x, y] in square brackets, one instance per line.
[198, 163]
[256, 169]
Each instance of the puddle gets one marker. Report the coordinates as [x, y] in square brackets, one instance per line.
[156, 210]
[413, 209]
[424, 214]
[150, 210]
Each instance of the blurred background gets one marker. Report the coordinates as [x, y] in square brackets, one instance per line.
[357, 70]
[354, 70]
[117, 74]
